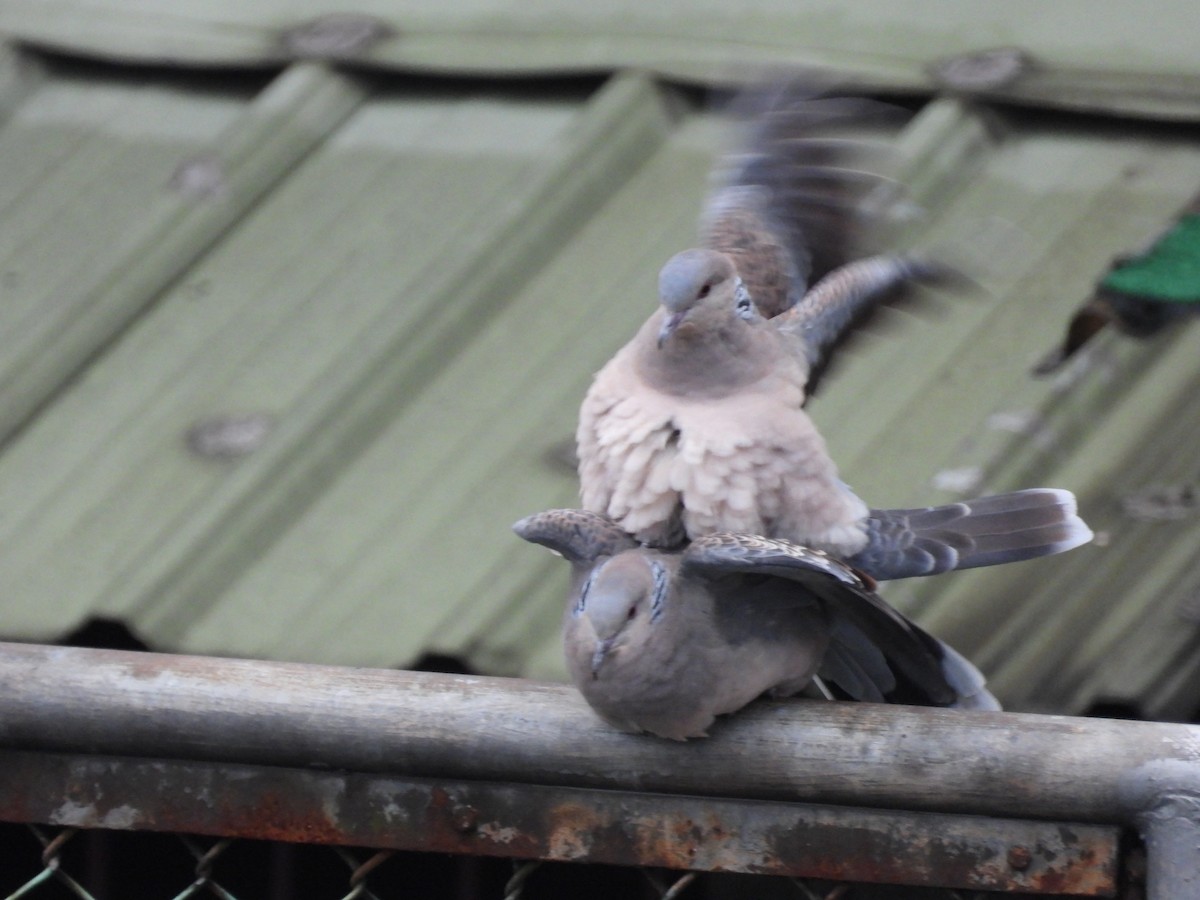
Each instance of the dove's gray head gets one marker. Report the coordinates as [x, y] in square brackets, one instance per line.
[701, 287]
[622, 602]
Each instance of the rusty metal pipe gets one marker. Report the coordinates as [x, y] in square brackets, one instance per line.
[1164, 798]
[443, 726]
[559, 823]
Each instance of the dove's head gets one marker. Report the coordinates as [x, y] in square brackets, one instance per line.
[621, 601]
[701, 288]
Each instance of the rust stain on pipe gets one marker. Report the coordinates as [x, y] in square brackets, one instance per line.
[556, 823]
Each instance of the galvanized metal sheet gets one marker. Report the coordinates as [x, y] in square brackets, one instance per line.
[1135, 60]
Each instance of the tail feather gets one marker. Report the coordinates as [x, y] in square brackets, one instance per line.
[903, 543]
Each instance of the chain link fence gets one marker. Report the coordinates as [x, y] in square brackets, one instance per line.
[89, 864]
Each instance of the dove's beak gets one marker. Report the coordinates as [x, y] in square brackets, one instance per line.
[599, 656]
[670, 323]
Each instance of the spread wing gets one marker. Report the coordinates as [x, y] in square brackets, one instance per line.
[800, 209]
[851, 605]
[578, 535]
[791, 206]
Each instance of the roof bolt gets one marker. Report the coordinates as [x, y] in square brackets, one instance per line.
[465, 818]
[987, 70]
[1019, 857]
[336, 36]
[202, 176]
[229, 436]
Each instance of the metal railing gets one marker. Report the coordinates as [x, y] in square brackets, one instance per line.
[842, 793]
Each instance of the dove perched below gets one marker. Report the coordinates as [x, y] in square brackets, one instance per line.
[664, 642]
[697, 424]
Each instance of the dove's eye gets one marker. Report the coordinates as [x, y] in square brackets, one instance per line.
[705, 290]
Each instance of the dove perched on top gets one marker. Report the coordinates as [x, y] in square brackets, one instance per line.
[666, 641]
[697, 425]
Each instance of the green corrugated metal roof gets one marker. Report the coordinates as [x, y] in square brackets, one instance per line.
[389, 294]
[1072, 52]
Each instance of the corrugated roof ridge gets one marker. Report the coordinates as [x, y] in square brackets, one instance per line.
[940, 147]
[611, 138]
[20, 73]
[208, 193]
[1137, 64]
[1018, 637]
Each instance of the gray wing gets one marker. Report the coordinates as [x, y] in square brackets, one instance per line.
[855, 665]
[846, 298]
[580, 536]
[726, 552]
[989, 531]
[800, 208]
[790, 207]
[850, 604]
[865, 672]
[968, 682]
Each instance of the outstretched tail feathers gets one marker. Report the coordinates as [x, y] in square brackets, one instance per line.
[1003, 528]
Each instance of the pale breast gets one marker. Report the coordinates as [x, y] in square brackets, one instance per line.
[666, 467]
